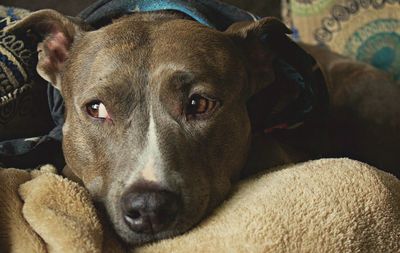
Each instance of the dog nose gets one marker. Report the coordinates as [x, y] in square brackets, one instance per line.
[149, 211]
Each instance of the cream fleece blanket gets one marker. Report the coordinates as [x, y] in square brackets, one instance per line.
[329, 205]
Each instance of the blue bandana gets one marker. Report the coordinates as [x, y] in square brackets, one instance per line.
[210, 13]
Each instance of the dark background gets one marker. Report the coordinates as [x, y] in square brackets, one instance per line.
[73, 7]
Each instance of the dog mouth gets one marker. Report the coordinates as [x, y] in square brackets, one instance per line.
[152, 231]
[136, 227]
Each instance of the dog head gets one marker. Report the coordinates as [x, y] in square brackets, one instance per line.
[157, 124]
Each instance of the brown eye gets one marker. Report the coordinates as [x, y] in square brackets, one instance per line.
[96, 109]
[199, 105]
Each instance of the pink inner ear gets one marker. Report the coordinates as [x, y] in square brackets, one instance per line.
[57, 45]
[52, 54]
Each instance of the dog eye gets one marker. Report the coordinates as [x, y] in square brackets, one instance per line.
[96, 109]
[199, 105]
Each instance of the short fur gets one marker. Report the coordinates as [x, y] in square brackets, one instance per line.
[145, 66]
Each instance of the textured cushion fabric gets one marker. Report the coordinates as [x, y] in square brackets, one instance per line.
[26, 135]
[365, 30]
[22, 93]
[329, 205]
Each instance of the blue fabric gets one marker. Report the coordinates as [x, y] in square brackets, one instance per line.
[35, 150]
[211, 13]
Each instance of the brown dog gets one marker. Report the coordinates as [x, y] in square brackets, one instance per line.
[157, 125]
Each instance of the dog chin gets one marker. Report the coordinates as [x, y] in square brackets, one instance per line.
[135, 239]
[180, 226]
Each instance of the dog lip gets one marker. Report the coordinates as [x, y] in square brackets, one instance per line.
[153, 226]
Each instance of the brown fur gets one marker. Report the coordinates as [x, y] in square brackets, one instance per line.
[145, 66]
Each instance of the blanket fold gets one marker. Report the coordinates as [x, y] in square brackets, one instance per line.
[328, 205]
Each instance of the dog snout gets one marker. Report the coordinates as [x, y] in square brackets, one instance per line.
[149, 211]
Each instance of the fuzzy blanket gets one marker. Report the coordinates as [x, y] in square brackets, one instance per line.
[329, 205]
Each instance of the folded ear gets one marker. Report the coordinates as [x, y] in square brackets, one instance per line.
[285, 83]
[254, 39]
[54, 34]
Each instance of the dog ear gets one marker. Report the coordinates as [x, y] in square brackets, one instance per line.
[254, 40]
[54, 34]
[284, 80]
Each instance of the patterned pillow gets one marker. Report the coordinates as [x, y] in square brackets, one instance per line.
[365, 30]
[23, 101]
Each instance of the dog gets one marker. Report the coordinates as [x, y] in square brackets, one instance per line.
[158, 124]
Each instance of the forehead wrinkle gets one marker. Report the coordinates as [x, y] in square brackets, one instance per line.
[121, 92]
[117, 58]
[123, 63]
[166, 71]
[194, 47]
[118, 65]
